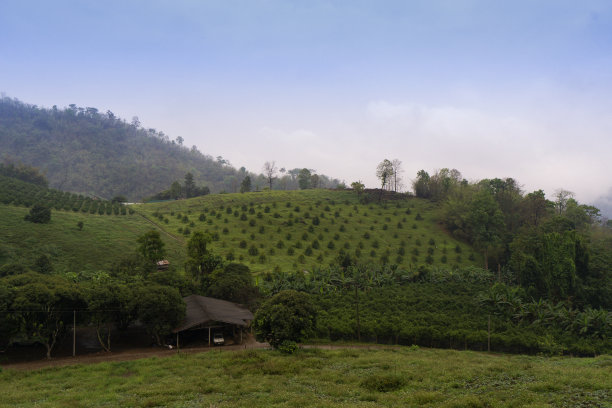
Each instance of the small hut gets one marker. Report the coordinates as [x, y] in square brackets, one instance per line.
[209, 313]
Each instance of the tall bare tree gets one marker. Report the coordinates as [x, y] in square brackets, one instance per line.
[561, 198]
[384, 172]
[396, 165]
[270, 170]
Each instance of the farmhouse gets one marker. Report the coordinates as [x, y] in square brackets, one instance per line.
[208, 314]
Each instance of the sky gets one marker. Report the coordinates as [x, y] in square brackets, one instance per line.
[518, 89]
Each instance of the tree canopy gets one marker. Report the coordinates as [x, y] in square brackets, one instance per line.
[287, 316]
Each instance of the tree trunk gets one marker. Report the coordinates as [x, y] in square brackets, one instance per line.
[486, 258]
[105, 344]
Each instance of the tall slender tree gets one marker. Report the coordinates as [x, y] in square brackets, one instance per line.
[270, 171]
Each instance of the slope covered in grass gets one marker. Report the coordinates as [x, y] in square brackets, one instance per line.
[316, 378]
[101, 243]
[306, 229]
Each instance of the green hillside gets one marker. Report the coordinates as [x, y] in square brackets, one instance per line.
[83, 150]
[90, 152]
[305, 229]
[101, 243]
[285, 231]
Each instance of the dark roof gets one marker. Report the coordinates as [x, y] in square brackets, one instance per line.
[202, 310]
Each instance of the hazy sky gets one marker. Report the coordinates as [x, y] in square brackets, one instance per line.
[492, 88]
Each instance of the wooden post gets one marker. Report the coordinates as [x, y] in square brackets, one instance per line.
[178, 347]
[73, 333]
[489, 336]
[241, 335]
[357, 312]
[208, 336]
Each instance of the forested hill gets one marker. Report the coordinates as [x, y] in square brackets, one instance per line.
[83, 150]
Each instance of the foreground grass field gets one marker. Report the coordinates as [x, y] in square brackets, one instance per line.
[319, 378]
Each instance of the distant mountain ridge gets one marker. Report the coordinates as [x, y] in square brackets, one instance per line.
[83, 150]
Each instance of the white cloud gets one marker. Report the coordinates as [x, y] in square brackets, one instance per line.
[545, 150]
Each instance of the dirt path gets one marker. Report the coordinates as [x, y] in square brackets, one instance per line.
[132, 354]
[135, 354]
[159, 227]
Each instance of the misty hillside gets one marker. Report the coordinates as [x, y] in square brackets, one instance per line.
[83, 150]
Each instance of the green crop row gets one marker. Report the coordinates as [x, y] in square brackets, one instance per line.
[19, 193]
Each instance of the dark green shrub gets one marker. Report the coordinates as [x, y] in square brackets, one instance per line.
[383, 382]
[288, 347]
[39, 214]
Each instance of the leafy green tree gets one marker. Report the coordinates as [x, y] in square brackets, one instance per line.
[202, 262]
[421, 184]
[151, 247]
[304, 179]
[176, 190]
[234, 283]
[43, 265]
[160, 309]
[109, 303]
[287, 316]
[80, 225]
[549, 264]
[39, 214]
[535, 208]
[190, 187]
[315, 181]
[486, 222]
[9, 326]
[245, 186]
[44, 304]
[12, 268]
[358, 187]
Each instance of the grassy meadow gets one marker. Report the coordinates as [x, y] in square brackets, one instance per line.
[406, 376]
[290, 230]
[103, 240]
